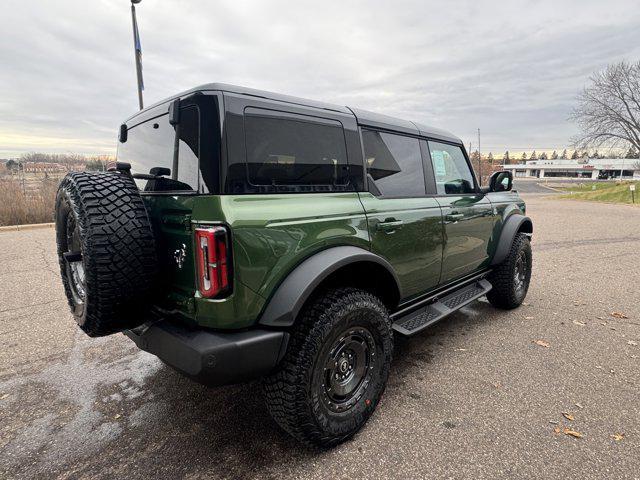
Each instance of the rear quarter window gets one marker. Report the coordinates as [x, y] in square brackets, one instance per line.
[288, 152]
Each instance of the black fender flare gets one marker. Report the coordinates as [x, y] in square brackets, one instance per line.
[512, 225]
[285, 304]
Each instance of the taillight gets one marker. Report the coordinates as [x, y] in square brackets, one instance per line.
[212, 247]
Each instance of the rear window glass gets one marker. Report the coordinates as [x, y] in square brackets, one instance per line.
[150, 145]
[290, 152]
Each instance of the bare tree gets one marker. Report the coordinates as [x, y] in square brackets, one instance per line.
[608, 110]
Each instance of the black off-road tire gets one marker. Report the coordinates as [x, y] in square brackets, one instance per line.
[103, 216]
[506, 293]
[296, 394]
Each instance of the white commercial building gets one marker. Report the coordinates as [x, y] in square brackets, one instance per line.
[594, 168]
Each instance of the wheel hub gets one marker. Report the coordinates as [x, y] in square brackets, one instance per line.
[520, 273]
[348, 369]
[73, 257]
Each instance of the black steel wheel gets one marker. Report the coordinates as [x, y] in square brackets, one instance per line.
[74, 264]
[335, 369]
[348, 369]
[521, 270]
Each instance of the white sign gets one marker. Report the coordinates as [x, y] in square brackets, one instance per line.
[632, 187]
[438, 162]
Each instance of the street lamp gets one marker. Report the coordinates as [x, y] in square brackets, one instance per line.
[137, 51]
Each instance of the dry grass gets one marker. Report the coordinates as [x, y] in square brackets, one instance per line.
[35, 205]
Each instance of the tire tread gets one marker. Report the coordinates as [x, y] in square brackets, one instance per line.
[118, 249]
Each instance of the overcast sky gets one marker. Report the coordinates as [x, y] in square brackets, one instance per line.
[511, 68]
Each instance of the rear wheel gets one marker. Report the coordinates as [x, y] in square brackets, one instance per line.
[106, 251]
[510, 279]
[335, 369]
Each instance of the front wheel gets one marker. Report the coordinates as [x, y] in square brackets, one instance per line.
[510, 279]
[335, 369]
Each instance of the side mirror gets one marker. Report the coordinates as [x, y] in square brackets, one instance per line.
[501, 181]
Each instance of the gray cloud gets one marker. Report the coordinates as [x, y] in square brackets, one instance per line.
[511, 68]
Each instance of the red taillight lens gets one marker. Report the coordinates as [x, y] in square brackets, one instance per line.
[212, 252]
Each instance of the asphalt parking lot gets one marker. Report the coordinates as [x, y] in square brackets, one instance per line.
[474, 397]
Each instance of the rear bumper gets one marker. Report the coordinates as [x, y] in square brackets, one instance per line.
[212, 358]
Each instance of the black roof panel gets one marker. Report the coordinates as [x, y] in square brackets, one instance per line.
[364, 117]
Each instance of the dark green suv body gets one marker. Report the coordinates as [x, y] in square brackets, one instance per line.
[290, 238]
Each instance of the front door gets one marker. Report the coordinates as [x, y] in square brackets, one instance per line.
[405, 225]
[467, 213]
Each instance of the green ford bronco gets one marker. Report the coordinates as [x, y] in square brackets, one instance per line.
[245, 234]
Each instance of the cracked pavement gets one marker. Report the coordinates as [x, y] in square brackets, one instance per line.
[473, 397]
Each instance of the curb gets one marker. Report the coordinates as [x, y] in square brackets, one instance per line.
[29, 226]
[550, 188]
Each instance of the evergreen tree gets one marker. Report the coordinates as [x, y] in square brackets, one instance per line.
[533, 156]
[524, 155]
[574, 155]
[505, 157]
[631, 153]
[490, 157]
[544, 156]
[554, 155]
[564, 154]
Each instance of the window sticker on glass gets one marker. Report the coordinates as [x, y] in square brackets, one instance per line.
[438, 162]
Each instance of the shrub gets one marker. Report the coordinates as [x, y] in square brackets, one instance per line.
[21, 205]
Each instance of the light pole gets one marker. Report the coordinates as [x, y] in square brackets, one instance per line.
[137, 51]
[479, 158]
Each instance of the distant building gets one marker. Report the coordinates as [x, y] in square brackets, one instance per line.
[595, 168]
[42, 167]
[46, 167]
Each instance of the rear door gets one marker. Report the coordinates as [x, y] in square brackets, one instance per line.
[404, 221]
[466, 211]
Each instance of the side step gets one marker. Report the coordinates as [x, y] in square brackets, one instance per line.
[417, 320]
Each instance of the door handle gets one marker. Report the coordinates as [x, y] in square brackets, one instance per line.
[454, 217]
[389, 225]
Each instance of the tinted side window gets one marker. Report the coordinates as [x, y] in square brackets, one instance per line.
[451, 169]
[290, 152]
[150, 144]
[395, 164]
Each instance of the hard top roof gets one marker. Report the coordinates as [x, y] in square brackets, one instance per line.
[364, 117]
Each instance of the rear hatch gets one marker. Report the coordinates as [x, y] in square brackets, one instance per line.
[174, 166]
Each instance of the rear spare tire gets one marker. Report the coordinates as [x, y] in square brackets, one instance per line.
[106, 251]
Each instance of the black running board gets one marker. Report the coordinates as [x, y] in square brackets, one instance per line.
[417, 320]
